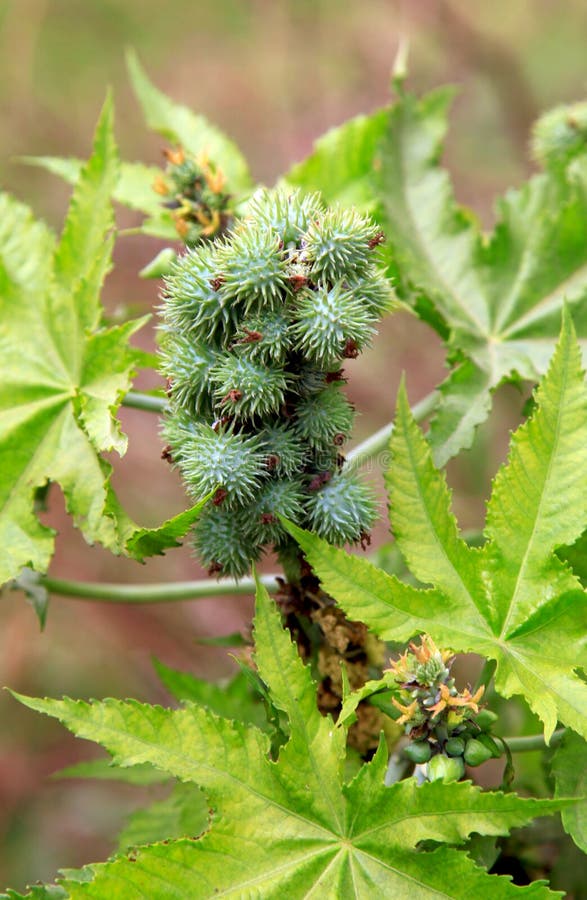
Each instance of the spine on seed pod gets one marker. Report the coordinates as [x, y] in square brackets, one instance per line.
[257, 325]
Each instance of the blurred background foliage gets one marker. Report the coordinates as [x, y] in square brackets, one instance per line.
[274, 74]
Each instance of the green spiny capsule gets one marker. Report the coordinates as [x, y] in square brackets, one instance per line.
[324, 419]
[265, 337]
[257, 409]
[285, 451]
[224, 543]
[374, 291]
[277, 497]
[188, 365]
[233, 463]
[253, 269]
[560, 135]
[245, 388]
[342, 510]
[193, 305]
[476, 753]
[340, 244]
[328, 319]
[418, 752]
[445, 768]
[287, 215]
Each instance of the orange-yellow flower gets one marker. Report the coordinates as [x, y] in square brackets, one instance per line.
[466, 699]
[175, 157]
[160, 186]
[407, 712]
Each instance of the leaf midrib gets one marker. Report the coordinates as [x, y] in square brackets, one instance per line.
[271, 801]
[432, 528]
[535, 313]
[418, 623]
[411, 221]
[298, 723]
[560, 408]
[517, 658]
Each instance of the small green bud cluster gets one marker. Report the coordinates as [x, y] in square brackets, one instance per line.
[447, 728]
[447, 753]
[256, 327]
[560, 135]
[194, 191]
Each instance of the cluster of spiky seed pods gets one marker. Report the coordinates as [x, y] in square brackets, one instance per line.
[256, 327]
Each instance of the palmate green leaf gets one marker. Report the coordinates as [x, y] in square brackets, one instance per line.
[290, 827]
[341, 163]
[184, 813]
[133, 188]
[181, 126]
[511, 600]
[569, 768]
[232, 700]
[141, 543]
[64, 375]
[104, 770]
[387, 683]
[38, 892]
[497, 300]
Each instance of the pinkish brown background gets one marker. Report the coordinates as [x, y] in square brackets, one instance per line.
[275, 75]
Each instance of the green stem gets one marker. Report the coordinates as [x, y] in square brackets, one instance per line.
[534, 741]
[154, 593]
[379, 442]
[486, 674]
[149, 402]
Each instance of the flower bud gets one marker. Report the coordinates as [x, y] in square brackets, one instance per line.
[455, 746]
[476, 753]
[418, 752]
[445, 768]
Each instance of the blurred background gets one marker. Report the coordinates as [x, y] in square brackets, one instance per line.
[274, 74]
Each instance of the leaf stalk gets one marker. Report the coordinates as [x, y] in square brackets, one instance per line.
[154, 593]
[534, 741]
[379, 441]
[148, 402]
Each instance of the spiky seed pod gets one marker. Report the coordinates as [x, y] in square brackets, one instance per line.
[326, 319]
[311, 380]
[342, 510]
[178, 432]
[340, 244]
[288, 216]
[276, 497]
[253, 269]
[279, 303]
[285, 452]
[246, 389]
[374, 292]
[233, 463]
[223, 542]
[188, 364]
[324, 419]
[193, 304]
[265, 337]
[560, 135]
